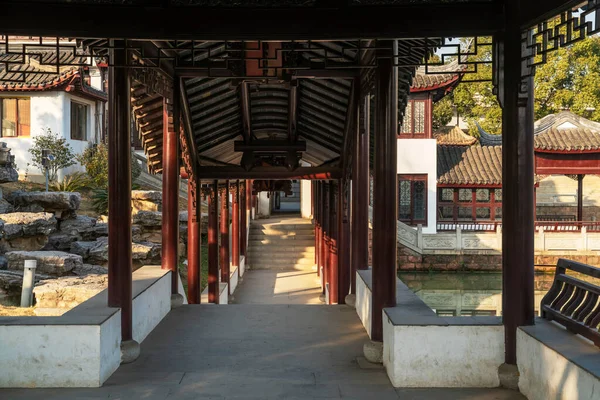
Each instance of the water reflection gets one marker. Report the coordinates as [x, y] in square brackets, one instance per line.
[467, 294]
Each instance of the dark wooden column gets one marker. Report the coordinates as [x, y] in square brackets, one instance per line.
[317, 218]
[243, 217]
[580, 197]
[170, 195]
[333, 245]
[325, 241]
[119, 190]
[213, 243]
[235, 225]
[344, 259]
[360, 193]
[384, 194]
[224, 247]
[517, 184]
[193, 243]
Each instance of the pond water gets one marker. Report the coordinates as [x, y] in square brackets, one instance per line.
[470, 294]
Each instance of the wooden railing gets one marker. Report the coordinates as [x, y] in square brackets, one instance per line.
[573, 302]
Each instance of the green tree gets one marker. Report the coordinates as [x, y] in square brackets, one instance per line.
[443, 111]
[570, 79]
[57, 146]
[95, 161]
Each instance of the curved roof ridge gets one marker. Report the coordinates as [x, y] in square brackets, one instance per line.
[453, 136]
[488, 139]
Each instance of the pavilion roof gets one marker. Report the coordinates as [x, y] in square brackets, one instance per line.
[435, 77]
[566, 132]
[453, 136]
[474, 165]
[36, 73]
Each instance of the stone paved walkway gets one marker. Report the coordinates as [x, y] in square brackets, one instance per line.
[277, 342]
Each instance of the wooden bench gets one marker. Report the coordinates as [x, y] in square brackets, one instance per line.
[572, 302]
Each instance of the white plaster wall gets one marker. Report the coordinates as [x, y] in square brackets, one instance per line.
[60, 355]
[264, 204]
[50, 110]
[419, 156]
[546, 374]
[243, 263]
[443, 356]
[364, 307]
[181, 290]
[306, 199]
[233, 278]
[151, 306]
[223, 296]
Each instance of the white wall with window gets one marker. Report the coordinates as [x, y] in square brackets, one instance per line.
[417, 182]
[29, 114]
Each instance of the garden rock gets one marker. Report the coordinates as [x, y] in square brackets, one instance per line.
[6, 207]
[56, 263]
[68, 292]
[8, 174]
[21, 224]
[146, 200]
[60, 241]
[57, 202]
[82, 227]
[148, 218]
[90, 269]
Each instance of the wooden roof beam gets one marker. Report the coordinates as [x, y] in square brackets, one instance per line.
[293, 114]
[535, 11]
[187, 120]
[246, 115]
[328, 172]
[23, 17]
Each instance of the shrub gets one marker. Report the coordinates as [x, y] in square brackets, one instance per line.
[58, 147]
[72, 183]
[95, 161]
[100, 201]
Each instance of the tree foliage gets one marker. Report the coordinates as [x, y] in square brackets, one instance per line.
[443, 111]
[57, 146]
[569, 80]
[95, 161]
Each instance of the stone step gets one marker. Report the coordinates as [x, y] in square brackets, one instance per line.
[290, 235]
[302, 259]
[281, 241]
[291, 227]
[279, 248]
[278, 267]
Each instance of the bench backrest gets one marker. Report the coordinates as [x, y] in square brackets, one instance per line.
[573, 302]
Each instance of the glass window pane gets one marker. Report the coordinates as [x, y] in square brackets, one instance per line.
[9, 117]
[404, 197]
[465, 213]
[465, 195]
[446, 194]
[24, 117]
[483, 213]
[483, 195]
[419, 117]
[446, 212]
[420, 200]
[78, 121]
[406, 128]
[498, 195]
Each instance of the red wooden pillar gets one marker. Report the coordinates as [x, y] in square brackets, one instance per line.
[580, 197]
[119, 192]
[170, 196]
[213, 244]
[235, 225]
[344, 260]
[517, 185]
[360, 193]
[243, 217]
[193, 243]
[317, 216]
[325, 237]
[224, 249]
[333, 245]
[384, 194]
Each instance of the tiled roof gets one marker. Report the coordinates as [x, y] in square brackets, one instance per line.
[566, 131]
[453, 136]
[488, 139]
[436, 76]
[474, 165]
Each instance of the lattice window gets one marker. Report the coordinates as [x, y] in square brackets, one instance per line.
[15, 117]
[412, 199]
[469, 204]
[416, 120]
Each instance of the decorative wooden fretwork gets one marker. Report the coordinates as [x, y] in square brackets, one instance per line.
[190, 169]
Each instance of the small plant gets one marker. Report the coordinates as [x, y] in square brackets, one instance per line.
[95, 161]
[100, 201]
[71, 183]
[63, 156]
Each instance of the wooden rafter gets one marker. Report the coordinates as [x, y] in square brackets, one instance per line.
[187, 122]
[246, 116]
